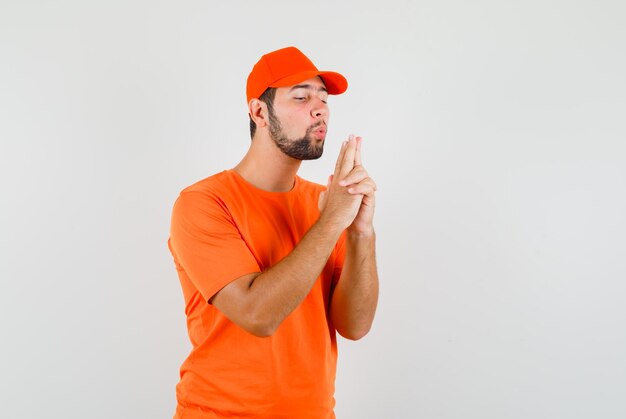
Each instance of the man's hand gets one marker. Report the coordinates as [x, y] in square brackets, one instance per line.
[355, 296]
[350, 195]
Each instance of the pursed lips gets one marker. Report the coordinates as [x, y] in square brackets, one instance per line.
[319, 129]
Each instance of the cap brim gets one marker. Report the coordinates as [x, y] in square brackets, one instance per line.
[335, 83]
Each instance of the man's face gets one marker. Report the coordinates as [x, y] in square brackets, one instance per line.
[297, 122]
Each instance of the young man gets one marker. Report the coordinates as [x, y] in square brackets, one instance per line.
[271, 265]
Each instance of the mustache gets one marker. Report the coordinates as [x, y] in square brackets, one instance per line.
[316, 126]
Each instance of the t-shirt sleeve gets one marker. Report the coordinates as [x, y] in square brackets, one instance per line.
[206, 243]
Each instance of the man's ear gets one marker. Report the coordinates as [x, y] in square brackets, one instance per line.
[258, 112]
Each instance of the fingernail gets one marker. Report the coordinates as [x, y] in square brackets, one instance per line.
[350, 137]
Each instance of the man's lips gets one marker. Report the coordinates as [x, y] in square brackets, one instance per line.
[320, 129]
[320, 133]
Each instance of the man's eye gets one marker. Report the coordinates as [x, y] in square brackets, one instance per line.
[299, 98]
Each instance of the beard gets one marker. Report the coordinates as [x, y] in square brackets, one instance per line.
[305, 148]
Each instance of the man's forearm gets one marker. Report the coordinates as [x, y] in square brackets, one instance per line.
[355, 297]
[275, 293]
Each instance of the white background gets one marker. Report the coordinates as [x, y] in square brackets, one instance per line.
[494, 129]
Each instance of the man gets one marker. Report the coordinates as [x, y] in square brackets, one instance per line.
[271, 264]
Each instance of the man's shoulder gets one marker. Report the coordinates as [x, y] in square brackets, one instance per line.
[211, 184]
[228, 186]
[205, 194]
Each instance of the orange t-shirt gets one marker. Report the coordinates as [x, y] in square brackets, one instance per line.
[223, 228]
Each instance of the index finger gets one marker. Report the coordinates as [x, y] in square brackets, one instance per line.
[357, 155]
[348, 158]
[342, 152]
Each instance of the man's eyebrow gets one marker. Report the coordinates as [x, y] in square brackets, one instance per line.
[309, 86]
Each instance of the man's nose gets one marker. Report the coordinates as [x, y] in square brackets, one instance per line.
[320, 109]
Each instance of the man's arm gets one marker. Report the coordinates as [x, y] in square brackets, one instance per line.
[355, 297]
[259, 302]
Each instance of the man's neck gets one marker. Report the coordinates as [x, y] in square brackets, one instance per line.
[268, 168]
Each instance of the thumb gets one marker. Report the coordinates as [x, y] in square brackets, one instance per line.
[321, 203]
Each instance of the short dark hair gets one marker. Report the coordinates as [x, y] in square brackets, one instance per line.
[267, 97]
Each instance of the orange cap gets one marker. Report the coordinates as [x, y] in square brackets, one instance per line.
[286, 67]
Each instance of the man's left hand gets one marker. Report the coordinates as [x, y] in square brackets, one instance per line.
[358, 182]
